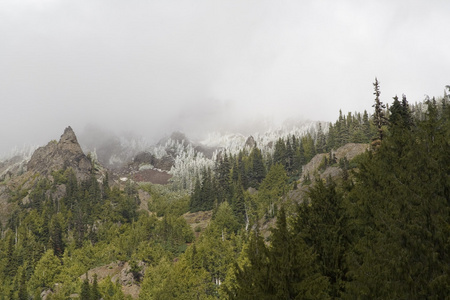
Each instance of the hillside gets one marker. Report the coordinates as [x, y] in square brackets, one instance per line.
[327, 214]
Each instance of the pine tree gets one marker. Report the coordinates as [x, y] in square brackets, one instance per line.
[271, 189]
[238, 202]
[406, 113]
[320, 140]
[366, 126]
[279, 154]
[223, 176]
[11, 267]
[79, 226]
[251, 280]
[85, 289]
[45, 273]
[195, 201]
[309, 150]
[294, 272]
[321, 222]
[56, 239]
[258, 170]
[331, 137]
[401, 215]
[396, 117]
[106, 187]
[378, 116]
[289, 160]
[22, 292]
[95, 293]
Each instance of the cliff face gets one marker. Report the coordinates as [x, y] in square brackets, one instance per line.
[58, 155]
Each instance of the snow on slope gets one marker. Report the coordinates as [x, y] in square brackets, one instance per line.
[15, 162]
[234, 142]
[189, 163]
[189, 160]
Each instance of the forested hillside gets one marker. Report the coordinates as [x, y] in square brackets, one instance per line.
[377, 228]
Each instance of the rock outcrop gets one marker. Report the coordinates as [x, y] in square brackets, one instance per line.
[66, 153]
[164, 163]
[250, 142]
[119, 272]
[349, 151]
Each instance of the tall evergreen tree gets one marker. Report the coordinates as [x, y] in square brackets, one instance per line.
[251, 280]
[238, 202]
[85, 289]
[195, 200]
[309, 150]
[320, 140]
[379, 115]
[401, 215]
[279, 154]
[321, 222]
[56, 236]
[258, 170]
[95, 293]
[22, 291]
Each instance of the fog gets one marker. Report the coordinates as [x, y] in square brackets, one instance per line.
[152, 67]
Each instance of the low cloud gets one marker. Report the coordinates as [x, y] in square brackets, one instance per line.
[152, 67]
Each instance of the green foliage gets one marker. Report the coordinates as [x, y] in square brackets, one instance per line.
[45, 273]
[286, 270]
[225, 218]
[109, 290]
[381, 233]
[379, 115]
[95, 293]
[204, 195]
[135, 269]
[85, 293]
[154, 280]
[353, 128]
[402, 196]
[163, 201]
[322, 223]
[257, 169]
[56, 235]
[271, 189]
[22, 293]
[184, 281]
[84, 229]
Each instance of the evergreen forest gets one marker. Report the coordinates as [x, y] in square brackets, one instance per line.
[380, 229]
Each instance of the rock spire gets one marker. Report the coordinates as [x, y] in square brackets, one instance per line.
[60, 155]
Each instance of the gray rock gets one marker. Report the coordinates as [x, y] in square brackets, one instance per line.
[250, 143]
[60, 155]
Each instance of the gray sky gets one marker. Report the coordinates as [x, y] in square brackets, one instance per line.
[157, 66]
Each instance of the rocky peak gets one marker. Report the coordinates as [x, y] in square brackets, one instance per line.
[250, 143]
[58, 155]
[69, 142]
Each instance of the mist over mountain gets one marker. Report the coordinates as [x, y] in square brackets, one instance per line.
[199, 66]
[115, 149]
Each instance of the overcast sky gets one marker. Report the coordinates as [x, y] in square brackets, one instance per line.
[156, 66]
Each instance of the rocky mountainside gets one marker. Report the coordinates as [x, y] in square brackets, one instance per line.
[175, 158]
[184, 159]
[22, 173]
[60, 155]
